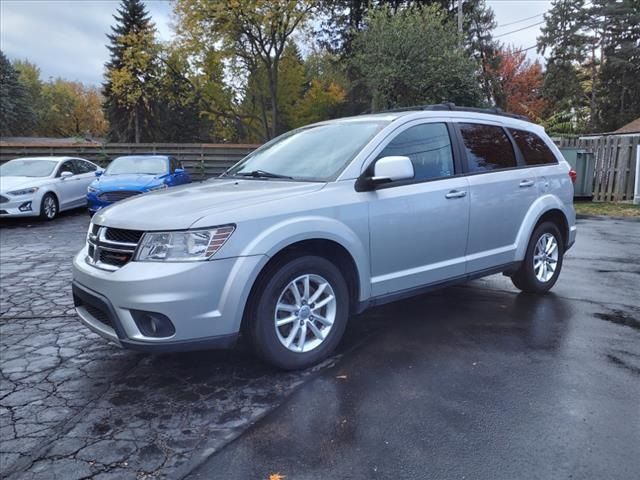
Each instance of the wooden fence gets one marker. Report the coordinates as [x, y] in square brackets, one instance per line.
[614, 169]
[201, 160]
[613, 173]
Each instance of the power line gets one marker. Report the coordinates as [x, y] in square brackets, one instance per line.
[519, 29]
[521, 20]
[525, 49]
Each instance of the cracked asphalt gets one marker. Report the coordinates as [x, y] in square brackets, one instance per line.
[474, 381]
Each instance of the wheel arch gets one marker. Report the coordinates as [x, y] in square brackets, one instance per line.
[546, 208]
[329, 249]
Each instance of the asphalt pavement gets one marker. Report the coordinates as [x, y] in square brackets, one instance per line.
[476, 381]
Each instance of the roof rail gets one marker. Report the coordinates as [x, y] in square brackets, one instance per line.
[456, 108]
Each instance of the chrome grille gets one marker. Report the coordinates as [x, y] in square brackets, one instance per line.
[111, 248]
[117, 195]
[3, 199]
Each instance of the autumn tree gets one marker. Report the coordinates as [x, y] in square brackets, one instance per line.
[411, 56]
[252, 33]
[132, 72]
[16, 111]
[520, 84]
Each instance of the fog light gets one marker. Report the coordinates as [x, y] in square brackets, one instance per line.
[152, 324]
[25, 207]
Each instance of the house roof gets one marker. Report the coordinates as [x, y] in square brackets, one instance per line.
[631, 127]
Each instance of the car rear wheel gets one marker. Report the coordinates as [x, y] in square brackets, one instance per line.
[543, 260]
[48, 207]
[299, 313]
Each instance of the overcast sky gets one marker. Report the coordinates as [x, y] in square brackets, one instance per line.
[66, 38]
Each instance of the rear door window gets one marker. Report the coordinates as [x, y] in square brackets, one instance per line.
[488, 147]
[429, 148]
[533, 148]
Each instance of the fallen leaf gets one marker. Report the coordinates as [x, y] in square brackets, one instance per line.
[276, 476]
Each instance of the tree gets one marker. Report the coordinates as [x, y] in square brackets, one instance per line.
[564, 35]
[16, 112]
[132, 72]
[411, 56]
[519, 84]
[69, 109]
[618, 88]
[253, 33]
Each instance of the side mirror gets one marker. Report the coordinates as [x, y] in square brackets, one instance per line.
[99, 172]
[64, 175]
[387, 169]
[179, 171]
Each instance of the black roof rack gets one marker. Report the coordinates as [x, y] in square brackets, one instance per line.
[456, 108]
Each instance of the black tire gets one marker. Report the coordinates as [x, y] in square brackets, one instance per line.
[260, 326]
[45, 199]
[525, 277]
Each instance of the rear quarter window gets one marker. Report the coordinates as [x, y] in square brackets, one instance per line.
[487, 147]
[533, 148]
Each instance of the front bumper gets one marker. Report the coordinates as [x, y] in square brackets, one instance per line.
[203, 300]
[12, 207]
[94, 203]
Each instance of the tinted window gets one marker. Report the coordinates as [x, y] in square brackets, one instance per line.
[487, 147]
[67, 167]
[84, 167]
[174, 164]
[429, 148]
[533, 148]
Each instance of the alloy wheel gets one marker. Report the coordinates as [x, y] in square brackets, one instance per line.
[49, 207]
[545, 257]
[305, 313]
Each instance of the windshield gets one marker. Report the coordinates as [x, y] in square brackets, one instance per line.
[28, 168]
[140, 165]
[314, 153]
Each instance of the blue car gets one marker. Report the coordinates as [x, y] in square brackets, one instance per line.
[133, 175]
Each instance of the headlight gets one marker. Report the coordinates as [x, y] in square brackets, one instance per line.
[185, 246]
[25, 191]
[91, 189]
[159, 187]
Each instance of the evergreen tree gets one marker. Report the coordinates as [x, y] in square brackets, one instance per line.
[16, 112]
[618, 88]
[564, 35]
[132, 72]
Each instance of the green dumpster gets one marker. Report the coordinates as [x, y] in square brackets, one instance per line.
[583, 163]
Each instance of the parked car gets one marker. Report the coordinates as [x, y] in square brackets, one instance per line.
[31, 187]
[324, 222]
[132, 175]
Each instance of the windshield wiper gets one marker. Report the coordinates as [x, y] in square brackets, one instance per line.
[262, 174]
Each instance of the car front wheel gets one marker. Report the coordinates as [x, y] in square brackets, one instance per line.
[543, 260]
[299, 313]
[48, 207]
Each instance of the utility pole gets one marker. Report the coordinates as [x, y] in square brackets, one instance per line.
[460, 22]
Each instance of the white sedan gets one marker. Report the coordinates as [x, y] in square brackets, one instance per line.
[44, 186]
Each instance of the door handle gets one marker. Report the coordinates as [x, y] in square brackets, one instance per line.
[526, 183]
[456, 194]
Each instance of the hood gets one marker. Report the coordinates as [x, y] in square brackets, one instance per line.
[126, 181]
[180, 207]
[10, 184]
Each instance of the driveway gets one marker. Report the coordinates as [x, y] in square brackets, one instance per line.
[474, 381]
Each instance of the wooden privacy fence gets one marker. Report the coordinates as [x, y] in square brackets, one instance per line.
[614, 169]
[202, 160]
[612, 176]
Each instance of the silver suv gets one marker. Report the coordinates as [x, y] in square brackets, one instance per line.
[320, 224]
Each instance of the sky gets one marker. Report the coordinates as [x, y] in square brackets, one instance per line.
[66, 38]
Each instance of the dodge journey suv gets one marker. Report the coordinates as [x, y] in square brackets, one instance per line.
[323, 222]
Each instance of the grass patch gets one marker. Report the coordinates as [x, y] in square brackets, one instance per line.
[607, 209]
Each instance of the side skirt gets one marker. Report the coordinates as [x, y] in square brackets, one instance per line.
[507, 268]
